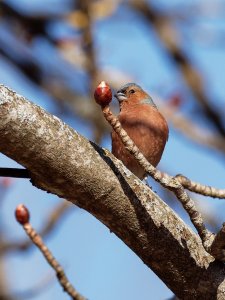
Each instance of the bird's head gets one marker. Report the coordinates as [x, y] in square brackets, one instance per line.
[133, 94]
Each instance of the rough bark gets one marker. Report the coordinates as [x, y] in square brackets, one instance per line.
[64, 163]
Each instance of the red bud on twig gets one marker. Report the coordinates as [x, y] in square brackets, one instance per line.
[103, 94]
[22, 214]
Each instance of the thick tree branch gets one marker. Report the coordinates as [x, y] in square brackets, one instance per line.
[63, 162]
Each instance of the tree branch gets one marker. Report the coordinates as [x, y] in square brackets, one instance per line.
[199, 188]
[22, 215]
[64, 163]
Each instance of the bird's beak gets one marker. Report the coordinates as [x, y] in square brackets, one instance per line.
[120, 96]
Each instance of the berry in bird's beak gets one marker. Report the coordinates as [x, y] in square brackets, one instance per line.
[103, 94]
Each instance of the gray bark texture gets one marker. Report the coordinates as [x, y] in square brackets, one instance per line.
[63, 162]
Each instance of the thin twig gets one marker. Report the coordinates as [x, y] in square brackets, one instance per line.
[22, 216]
[164, 179]
[63, 280]
[199, 188]
[14, 172]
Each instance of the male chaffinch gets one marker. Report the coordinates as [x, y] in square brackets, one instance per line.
[143, 123]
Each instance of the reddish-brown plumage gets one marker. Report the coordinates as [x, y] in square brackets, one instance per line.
[144, 125]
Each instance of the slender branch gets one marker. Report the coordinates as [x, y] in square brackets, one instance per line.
[22, 216]
[199, 188]
[164, 179]
[14, 172]
[66, 285]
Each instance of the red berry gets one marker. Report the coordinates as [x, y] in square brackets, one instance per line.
[103, 94]
[22, 214]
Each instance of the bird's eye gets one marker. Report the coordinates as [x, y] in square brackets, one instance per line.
[132, 91]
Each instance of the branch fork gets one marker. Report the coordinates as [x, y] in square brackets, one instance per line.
[176, 184]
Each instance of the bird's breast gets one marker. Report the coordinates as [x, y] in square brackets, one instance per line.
[148, 129]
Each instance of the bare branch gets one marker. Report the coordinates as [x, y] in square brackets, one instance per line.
[22, 211]
[199, 188]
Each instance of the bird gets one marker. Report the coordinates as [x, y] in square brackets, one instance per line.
[144, 124]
